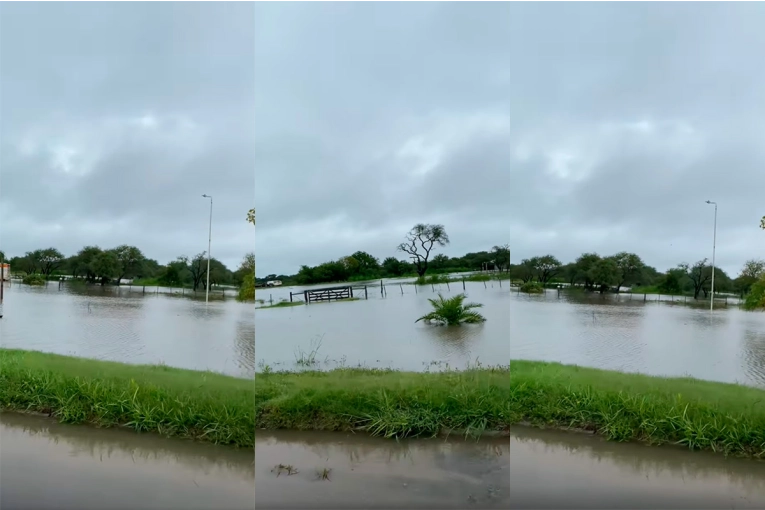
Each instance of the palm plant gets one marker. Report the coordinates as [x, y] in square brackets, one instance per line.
[453, 311]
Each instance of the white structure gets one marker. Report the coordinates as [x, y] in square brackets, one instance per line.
[273, 283]
[5, 272]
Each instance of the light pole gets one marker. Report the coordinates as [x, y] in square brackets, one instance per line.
[209, 242]
[714, 247]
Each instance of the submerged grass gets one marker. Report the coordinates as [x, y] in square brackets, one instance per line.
[727, 418]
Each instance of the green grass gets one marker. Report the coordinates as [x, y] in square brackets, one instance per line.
[698, 414]
[174, 402]
[228, 410]
[282, 304]
[384, 402]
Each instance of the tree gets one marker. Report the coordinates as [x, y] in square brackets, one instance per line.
[630, 268]
[546, 268]
[762, 223]
[605, 274]
[670, 282]
[105, 266]
[699, 274]
[198, 268]
[394, 267]
[501, 256]
[48, 260]
[2, 257]
[752, 271]
[526, 270]
[129, 259]
[251, 216]
[84, 261]
[367, 264]
[583, 268]
[420, 242]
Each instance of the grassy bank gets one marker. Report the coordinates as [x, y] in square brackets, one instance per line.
[227, 410]
[698, 414]
[384, 402]
[174, 402]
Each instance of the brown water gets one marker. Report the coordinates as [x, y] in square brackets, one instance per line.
[46, 465]
[569, 470]
[381, 331]
[656, 338]
[367, 472]
[122, 324]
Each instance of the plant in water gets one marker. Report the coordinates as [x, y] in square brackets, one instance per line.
[453, 311]
[532, 288]
[34, 279]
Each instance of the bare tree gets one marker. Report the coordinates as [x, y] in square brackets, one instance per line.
[420, 242]
[198, 268]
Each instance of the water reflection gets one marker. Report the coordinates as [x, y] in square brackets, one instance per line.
[45, 464]
[566, 470]
[657, 338]
[126, 325]
[381, 331]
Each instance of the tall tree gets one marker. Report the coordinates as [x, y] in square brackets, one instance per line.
[48, 260]
[129, 261]
[630, 268]
[546, 268]
[420, 242]
[367, 264]
[583, 268]
[501, 256]
[198, 268]
[105, 266]
[700, 273]
[604, 274]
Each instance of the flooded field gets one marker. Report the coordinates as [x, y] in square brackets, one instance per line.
[47, 465]
[553, 470]
[121, 324]
[657, 338]
[380, 331]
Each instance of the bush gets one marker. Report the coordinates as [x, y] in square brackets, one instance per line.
[34, 279]
[755, 300]
[453, 311]
[532, 288]
[247, 290]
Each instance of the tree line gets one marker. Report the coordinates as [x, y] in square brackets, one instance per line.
[420, 244]
[110, 266]
[611, 273]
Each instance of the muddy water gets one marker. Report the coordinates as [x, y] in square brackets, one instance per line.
[656, 338]
[120, 324]
[45, 465]
[369, 472]
[381, 331]
[569, 470]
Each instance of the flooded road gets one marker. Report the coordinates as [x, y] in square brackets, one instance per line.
[122, 324]
[45, 465]
[554, 470]
[614, 332]
[381, 331]
[366, 472]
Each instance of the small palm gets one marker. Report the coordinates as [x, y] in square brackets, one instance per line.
[453, 311]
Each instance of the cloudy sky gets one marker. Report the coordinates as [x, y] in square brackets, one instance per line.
[559, 128]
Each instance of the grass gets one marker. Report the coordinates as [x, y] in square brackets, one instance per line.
[532, 288]
[698, 414]
[227, 410]
[173, 402]
[282, 304]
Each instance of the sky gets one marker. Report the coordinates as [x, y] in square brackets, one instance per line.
[556, 128]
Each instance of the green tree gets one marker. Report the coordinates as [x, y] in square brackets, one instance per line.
[48, 260]
[699, 274]
[670, 283]
[546, 268]
[394, 267]
[604, 274]
[368, 265]
[501, 255]
[2, 257]
[583, 269]
[105, 266]
[198, 268]
[129, 261]
[752, 271]
[420, 242]
[630, 268]
[84, 261]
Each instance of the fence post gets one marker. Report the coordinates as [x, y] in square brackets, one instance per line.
[645, 297]
[463, 283]
[144, 289]
[365, 292]
[484, 285]
[415, 287]
[447, 287]
[402, 289]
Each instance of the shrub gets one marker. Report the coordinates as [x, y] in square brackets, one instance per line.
[453, 311]
[34, 279]
[532, 288]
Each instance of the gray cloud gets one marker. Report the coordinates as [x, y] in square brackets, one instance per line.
[558, 128]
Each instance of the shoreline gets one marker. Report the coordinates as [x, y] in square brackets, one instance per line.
[700, 415]
[227, 410]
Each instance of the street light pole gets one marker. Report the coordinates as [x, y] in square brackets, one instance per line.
[714, 248]
[209, 242]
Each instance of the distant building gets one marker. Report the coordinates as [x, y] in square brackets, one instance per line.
[5, 272]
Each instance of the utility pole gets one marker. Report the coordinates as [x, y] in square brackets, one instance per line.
[209, 243]
[714, 248]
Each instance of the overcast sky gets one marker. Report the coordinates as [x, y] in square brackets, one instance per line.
[559, 128]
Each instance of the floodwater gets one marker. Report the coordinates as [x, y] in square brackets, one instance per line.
[123, 324]
[45, 465]
[366, 472]
[380, 332]
[553, 470]
[656, 338]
